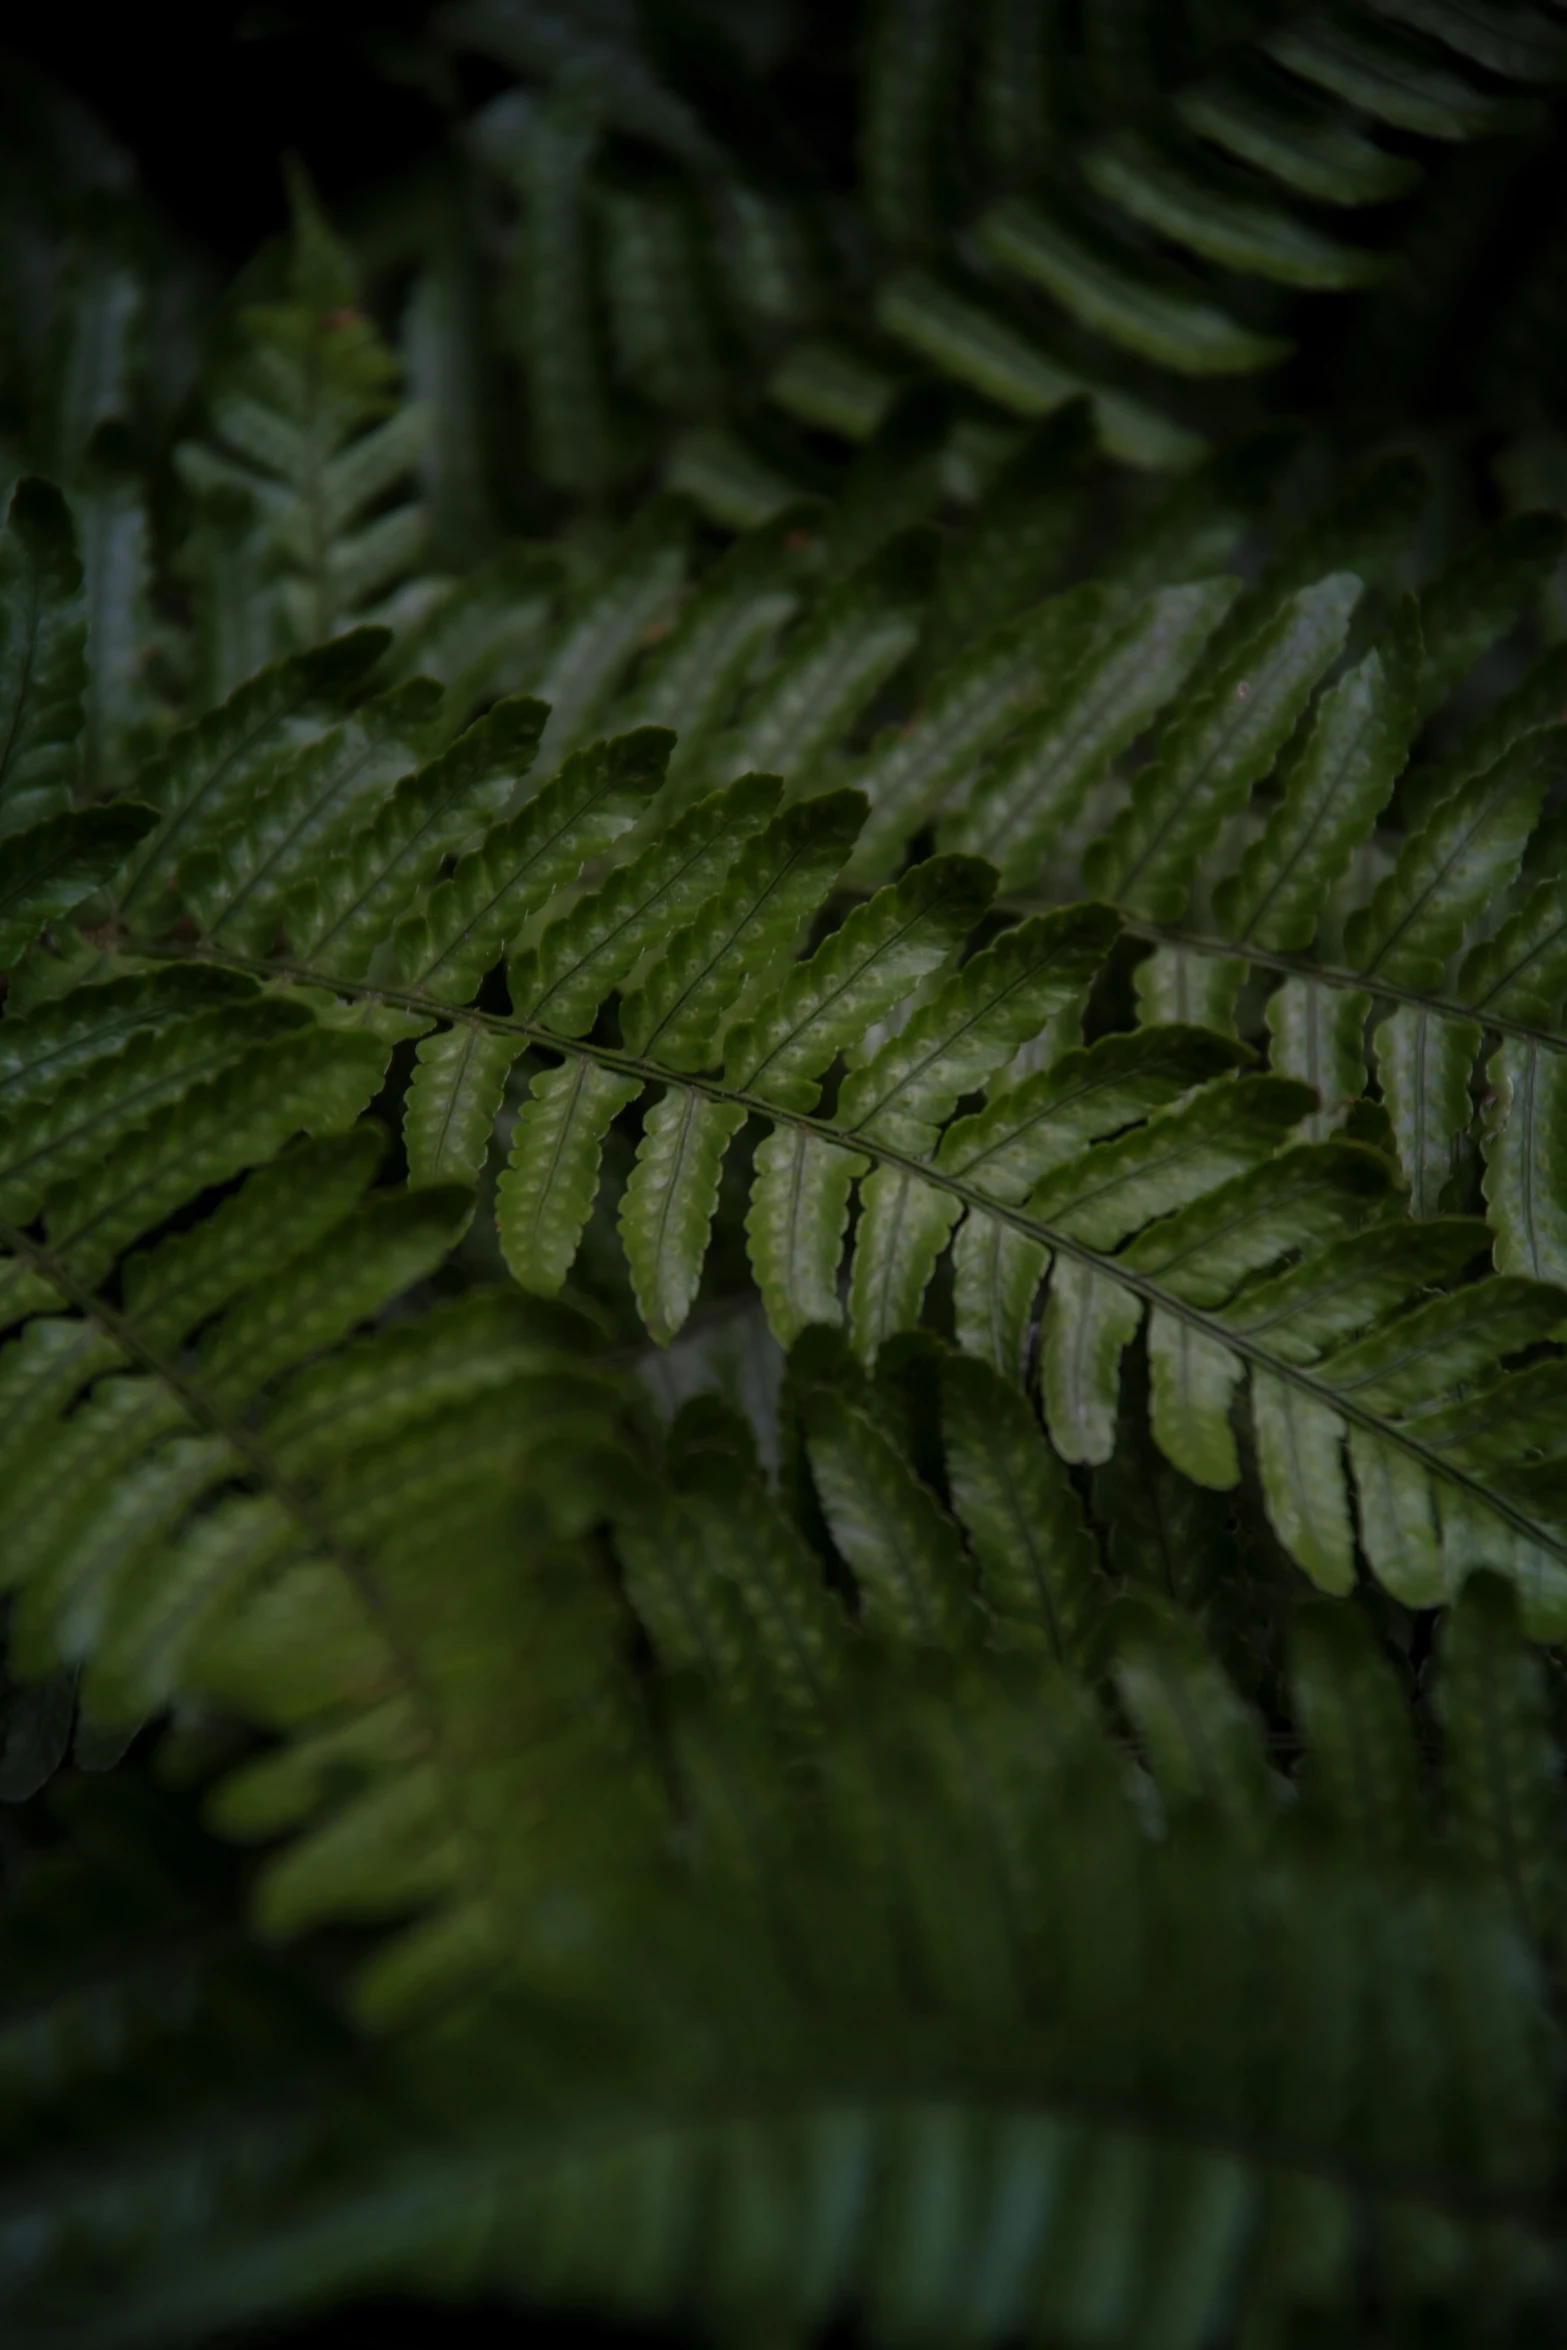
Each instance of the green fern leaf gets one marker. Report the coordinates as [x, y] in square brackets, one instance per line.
[1318, 1034]
[1423, 1062]
[904, 1552]
[1315, 150]
[795, 1227]
[1217, 749]
[1027, 1129]
[1088, 1322]
[311, 438]
[1039, 784]
[1360, 1762]
[968, 708]
[545, 1196]
[338, 920]
[1528, 1137]
[829, 671]
[975, 1021]
[1221, 218]
[345, 1280]
[311, 807]
[71, 1130]
[587, 951]
[446, 946]
[170, 1290]
[1332, 795]
[453, 1098]
[1193, 1381]
[1156, 320]
[628, 597]
[1024, 1523]
[1480, 597]
[122, 633]
[42, 663]
[59, 861]
[202, 784]
[1203, 1744]
[1020, 535]
[903, 1228]
[39, 1052]
[996, 1276]
[680, 1011]
[309, 1081]
[1175, 1159]
[694, 679]
[670, 1200]
[1468, 851]
[856, 978]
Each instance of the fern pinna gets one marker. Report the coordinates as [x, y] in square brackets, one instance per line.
[781, 1321]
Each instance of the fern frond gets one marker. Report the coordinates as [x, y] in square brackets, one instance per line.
[312, 443]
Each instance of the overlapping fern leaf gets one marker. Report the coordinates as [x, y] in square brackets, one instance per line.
[845, 1979]
[308, 517]
[1118, 203]
[1001, 1842]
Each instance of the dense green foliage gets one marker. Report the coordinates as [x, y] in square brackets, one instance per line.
[783, 1197]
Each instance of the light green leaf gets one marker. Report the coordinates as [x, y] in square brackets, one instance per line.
[904, 1226]
[666, 1214]
[679, 1014]
[795, 1225]
[1217, 748]
[1333, 793]
[859, 633]
[1313, 149]
[445, 946]
[1175, 984]
[337, 921]
[453, 1096]
[583, 662]
[1424, 1062]
[969, 706]
[1089, 1320]
[589, 949]
[1318, 1034]
[1526, 1159]
[545, 1196]
[1194, 1377]
[1300, 1452]
[857, 976]
[972, 1025]
[997, 1273]
[205, 779]
[1176, 1158]
[313, 802]
[1457, 864]
[1023, 1132]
